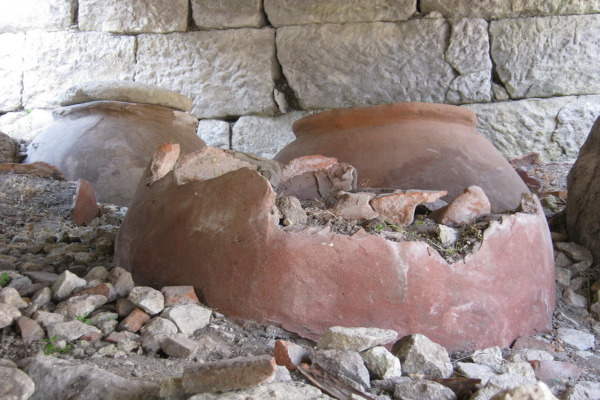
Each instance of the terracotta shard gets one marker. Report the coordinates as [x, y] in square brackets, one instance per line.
[163, 161]
[289, 354]
[85, 208]
[464, 209]
[207, 163]
[399, 208]
[302, 165]
[38, 168]
[354, 206]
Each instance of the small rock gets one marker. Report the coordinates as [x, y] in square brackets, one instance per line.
[155, 331]
[423, 390]
[583, 391]
[150, 300]
[10, 295]
[446, 235]
[538, 392]
[355, 339]
[574, 299]
[399, 208]
[42, 297]
[44, 277]
[523, 369]
[104, 289]
[124, 307]
[65, 285]
[47, 319]
[561, 260]
[71, 330]
[491, 357]
[464, 209]
[420, 356]
[105, 246]
[99, 273]
[290, 354]
[134, 321]
[272, 391]
[529, 355]
[107, 327]
[347, 365]
[121, 280]
[381, 363]
[30, 330]
[15, 384]
[8, 315]
[577, 283]
[188, 317]
[550, 372]
[563, 276]
[533, 343]
[291, 209]
[499, 383]
[116, 337]
[476, 371]
[80, 306]
[574, 251]
[236, 373]
[354, 206]
[179, 346]
[179, 295]
[577, 339]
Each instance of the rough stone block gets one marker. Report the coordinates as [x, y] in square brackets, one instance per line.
[419, 355]
[65, 285]
[224, 14]
[179, 346]
[15, 383]
[30, 329]
[24, 15]
[235, 373]
[214, 132]
[381, 363]
[8, 315]
[150, 300]
[133, 16]
[82, 57]
[469, 54]
[80, 306]
[543, 57]
[423, 390]
[355, 339]
[71, 330]
[11, 59]
[348, 65]
[188, 317]
[225, 72]
[264, 136]
[291, 12]
[179, 295]
[346, 365]
[495, 9]
[561, 125]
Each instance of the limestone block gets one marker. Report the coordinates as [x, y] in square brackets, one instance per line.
[24, 15]
[468, 53]
[552, 127]
[226, 72]
[133, 16]
[11, 60]
[214, 132]
[499, 9]
[264, 136]
[332, 66]
[82, 57]
[543, 57]
[224, 14]
[292, 12]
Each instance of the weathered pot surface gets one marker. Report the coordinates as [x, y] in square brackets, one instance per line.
[218, 235]
[410, 145]
[110, 143]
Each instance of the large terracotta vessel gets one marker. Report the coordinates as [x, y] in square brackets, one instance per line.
[410, 146]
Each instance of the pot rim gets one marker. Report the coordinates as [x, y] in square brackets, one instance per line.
[383, 114]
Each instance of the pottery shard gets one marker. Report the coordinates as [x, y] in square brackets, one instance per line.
[412, 69]
[131, 92]
[85, 208]
[508, 8]
[163, 161]
[290, 354]
[226, 72]
[207, 163]
[291, 12]
[179, 295]
[133, 16]
[523, 65]
[583, 212]
[83, 56]
[302, 165]
[464, 209]
[225, 14]
[399, 208]
[354, 206]
[38, 168]
[236, 373]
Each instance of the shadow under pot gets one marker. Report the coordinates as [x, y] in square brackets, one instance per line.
[410, 146]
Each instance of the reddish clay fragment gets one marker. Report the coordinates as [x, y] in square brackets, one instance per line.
[399, 208]
[289, 354]
[464, 209]
[38, 168]
[85, 208]
[163, 161]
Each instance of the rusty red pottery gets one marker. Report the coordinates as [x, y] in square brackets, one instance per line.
[410, 146]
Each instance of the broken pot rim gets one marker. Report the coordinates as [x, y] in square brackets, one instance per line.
[384, 114]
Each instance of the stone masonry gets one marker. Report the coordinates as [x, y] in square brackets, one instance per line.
[529, 68]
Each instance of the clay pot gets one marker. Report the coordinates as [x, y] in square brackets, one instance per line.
[110, 143]
[410, 146]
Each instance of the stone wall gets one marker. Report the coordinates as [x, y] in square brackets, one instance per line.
[530, 69]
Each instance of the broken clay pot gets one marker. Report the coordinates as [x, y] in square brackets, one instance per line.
[217, 235]
[410, 146]
[110, 143]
